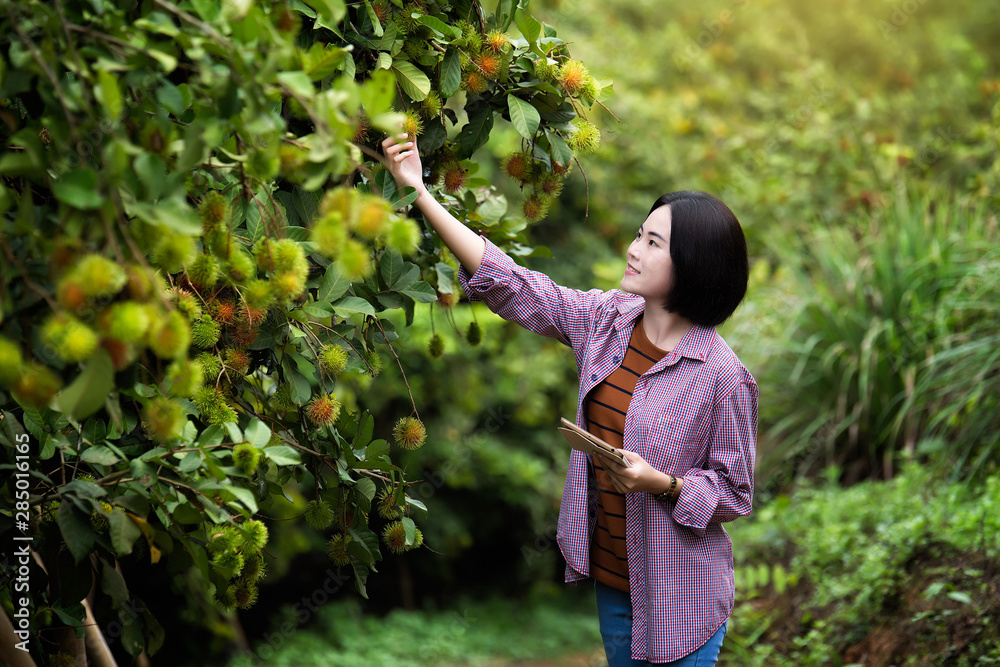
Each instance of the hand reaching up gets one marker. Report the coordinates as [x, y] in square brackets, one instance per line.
[403, 161]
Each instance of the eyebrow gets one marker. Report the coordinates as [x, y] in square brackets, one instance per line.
[653, 234]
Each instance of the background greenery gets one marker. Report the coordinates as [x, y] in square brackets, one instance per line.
[857, 142]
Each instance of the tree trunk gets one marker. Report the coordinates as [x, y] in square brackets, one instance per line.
[97, 646]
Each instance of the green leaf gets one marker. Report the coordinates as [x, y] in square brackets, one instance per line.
[558, 148]
[100, 456]
[329, 11]
[110, 94]
[445, 278]
[420, 292]
[451, 73]
[353, 304]
[413, 81]
[366, 487]
[529, 26]
[439, 26]
[123, 531]
[385, 184]
[257, 433]
[373, 17]
[377, 93]
[409, 530]
[298, 82]
[282, 455]
[959, 596]
[334, 283]
[171, 213]
[113, 585]
[523, 117]
[86, 394]
[376, 449]
[170, 97]
[391, 265]
[243, 495]
[76, 530]
[476, 132]
[79, 189]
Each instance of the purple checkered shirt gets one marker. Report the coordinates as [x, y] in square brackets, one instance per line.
[693, 414]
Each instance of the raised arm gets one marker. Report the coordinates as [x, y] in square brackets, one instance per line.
[403, 162]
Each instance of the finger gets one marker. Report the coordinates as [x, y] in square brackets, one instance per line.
[617, 484]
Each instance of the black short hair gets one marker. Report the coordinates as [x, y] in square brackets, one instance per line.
[709, 254]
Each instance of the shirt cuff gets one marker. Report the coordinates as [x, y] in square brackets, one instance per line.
[695, 504]
[496, 266]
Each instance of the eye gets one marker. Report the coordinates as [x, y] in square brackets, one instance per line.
[653, 243]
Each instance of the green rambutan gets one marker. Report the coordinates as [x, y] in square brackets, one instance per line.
[323, 410]
[223, 537]
[254, 534]
[230, 559]
[99, 518]
[282, 255]
[497, 41]
[431, 106]
[329, 233]
[572, 75]
[319, 514]
[128, 321]
[333, 359]
[170, 337]
[373, 212]
[225, 598]
[544, 70]
[288, 284]
[435, 347]
[205, 332]
[586, 138]
[11, 361]
[413, 125]
[385, 505]
[518, 166]
[184, 377]
[259, 293]
[262, 164]
[394, 537]
[186, 303]
[212, 406]
[163, 419]
[470, 33]
[534, 207]
[339, 201]
[224, 311]
[355, 258]
[374, 362]
[403, 235]
[245, 593]
[336, 549]
[172, 251]
[409, 433]
[474, 334]
[254, 568]
[281, 399]
[203, 271]
[210, 364]
[213, 211]
[246, 456]
[98, 276]
[291, 160]
[72, 339]
[551, 184]
[239, 267]
[589, 90]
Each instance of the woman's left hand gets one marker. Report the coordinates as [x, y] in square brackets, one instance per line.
[640, 476]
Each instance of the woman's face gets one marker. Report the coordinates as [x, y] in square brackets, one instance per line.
[649, 271]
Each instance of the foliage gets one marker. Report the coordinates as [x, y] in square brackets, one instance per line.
[472, 633]
[184, 311]
[842, 562]
[886, 343]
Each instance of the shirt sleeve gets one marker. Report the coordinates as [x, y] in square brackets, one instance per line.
[723, 489]
[531, 298]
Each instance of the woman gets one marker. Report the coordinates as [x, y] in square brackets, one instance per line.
[658, 381]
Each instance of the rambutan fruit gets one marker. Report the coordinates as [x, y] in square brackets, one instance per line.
[239, 267]
[99, 518]
[333, 359]
[127, 321]
[225, 598]
[10, 361]
[413, 125]
[231, 560]
[381, 10]
[288, 284]
[409, 433]
[245, 593]
[403, 235]
[385, 505]
[394, 537]
[406, 24]
[572, 75]
[70, 294]
[534, 207]
[237, 361]
[475, 82]
[497, 42]
[340, 201]
[262, 164]
[372, 215]
[224, 311]
[259, 293]
[374, 362]
[98, 276]
[212, 406]
[213, 211]
[184, 377]
[210, 364]
[254, 534]
[254, 568]
[586, 138]
[470, 33]
[286, 20]
[446, 299]
[281, 399]
[205, 332]
[223, 537]
[170, 337]
[355, 259]
[122, 354]
[163, 419]
[488, 64]
[474, 334]
[246, 456]
[336, 549]
[291, 160]
[551, 184]
[431, 106]
[589, 90]
[319, 514]
[203, 271]
[454, 178]
[186, 303]
[286, 255]
[72, 339]
[245, 333]
[323, 410]
[252, 318]
[436, 346]
[518, 166]
[544, 70]
[329, 233]
[141, 286]
[172, 251]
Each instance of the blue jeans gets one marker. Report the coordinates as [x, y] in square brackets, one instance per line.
[614, 611]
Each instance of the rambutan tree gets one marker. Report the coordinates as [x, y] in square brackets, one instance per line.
[199, 247]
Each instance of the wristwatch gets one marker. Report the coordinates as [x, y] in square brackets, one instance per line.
[669, 493]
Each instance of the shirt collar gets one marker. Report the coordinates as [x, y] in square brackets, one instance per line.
[695, 344]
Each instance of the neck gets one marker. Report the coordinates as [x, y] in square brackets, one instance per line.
[663, 329]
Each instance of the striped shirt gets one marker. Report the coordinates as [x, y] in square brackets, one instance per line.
[606, 407]
[692, 414]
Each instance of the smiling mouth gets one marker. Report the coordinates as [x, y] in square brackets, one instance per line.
[629, 267]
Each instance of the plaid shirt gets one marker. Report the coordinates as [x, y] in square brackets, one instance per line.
[693, 414]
